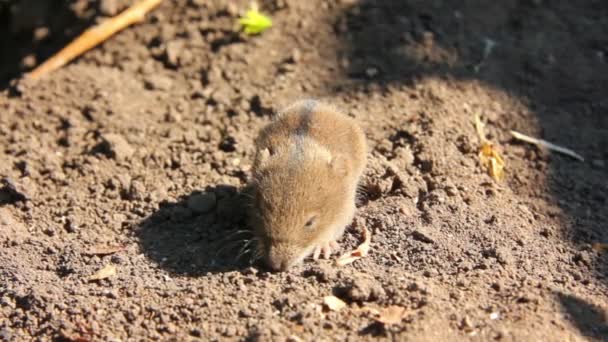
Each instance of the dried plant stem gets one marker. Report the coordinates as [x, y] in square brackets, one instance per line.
[94, 36]
[547, 145]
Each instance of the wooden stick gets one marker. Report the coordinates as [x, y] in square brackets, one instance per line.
[94, 36]
[547, 145]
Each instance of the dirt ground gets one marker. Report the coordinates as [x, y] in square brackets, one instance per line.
[146, 142]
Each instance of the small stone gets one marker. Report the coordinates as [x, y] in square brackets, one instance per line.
[422, 236]
[426, 166]
[496, 286]
[504, 256]
[405, 154]
[413, 287]
[430, 273]
[29, 61]
[250, 271]
[232, 9]
[173, 116]
[137, 190]
[158, 82]
[464, 144]
[6, 335]
[108, 8]
[116, 146]
[70, 225]
[582, 258]
[245, 313]
[172, 53]
[545, 232]
[323, 273]
[202, 203]
[112, 294]
[296, 56]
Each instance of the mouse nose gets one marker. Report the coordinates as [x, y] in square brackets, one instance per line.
[278, 265]
[277, 260]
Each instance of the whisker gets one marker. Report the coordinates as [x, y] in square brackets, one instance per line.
[243, 253]
[226, 246]
[237, 233]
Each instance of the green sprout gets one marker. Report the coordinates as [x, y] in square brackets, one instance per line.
[255, 22]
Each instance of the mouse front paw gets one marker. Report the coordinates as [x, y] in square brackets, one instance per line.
[325, 250]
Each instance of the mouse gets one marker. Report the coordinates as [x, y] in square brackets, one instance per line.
[305, 174]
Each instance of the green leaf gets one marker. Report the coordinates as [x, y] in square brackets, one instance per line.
[255, 22]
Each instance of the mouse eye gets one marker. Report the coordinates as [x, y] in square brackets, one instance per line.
[311, 222]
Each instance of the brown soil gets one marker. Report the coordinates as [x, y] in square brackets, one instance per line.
[146, 141]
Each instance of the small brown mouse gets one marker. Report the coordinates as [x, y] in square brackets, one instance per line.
[307, 167]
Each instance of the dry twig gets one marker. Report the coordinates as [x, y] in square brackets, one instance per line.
[547, 145]
[94, 36]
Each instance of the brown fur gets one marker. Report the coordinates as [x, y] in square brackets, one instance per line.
[308, 164]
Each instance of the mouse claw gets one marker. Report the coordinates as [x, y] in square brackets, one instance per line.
[316, 253]
[325, 251]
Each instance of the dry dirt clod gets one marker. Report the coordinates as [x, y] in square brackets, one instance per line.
[13, 191]
[116, 146]
[362, 289]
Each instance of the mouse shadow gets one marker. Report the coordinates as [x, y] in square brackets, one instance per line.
[591, 320]
[202, 232]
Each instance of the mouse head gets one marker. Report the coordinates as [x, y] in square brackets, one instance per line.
[296, 202]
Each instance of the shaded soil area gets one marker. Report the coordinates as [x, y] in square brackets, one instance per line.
[137, 154]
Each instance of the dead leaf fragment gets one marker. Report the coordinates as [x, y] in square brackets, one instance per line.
[334, 303]
[491, 160]
[104, 250]
[106, 272]
[361, 251]
[489, 156]
[391, 315]
[600, 247]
